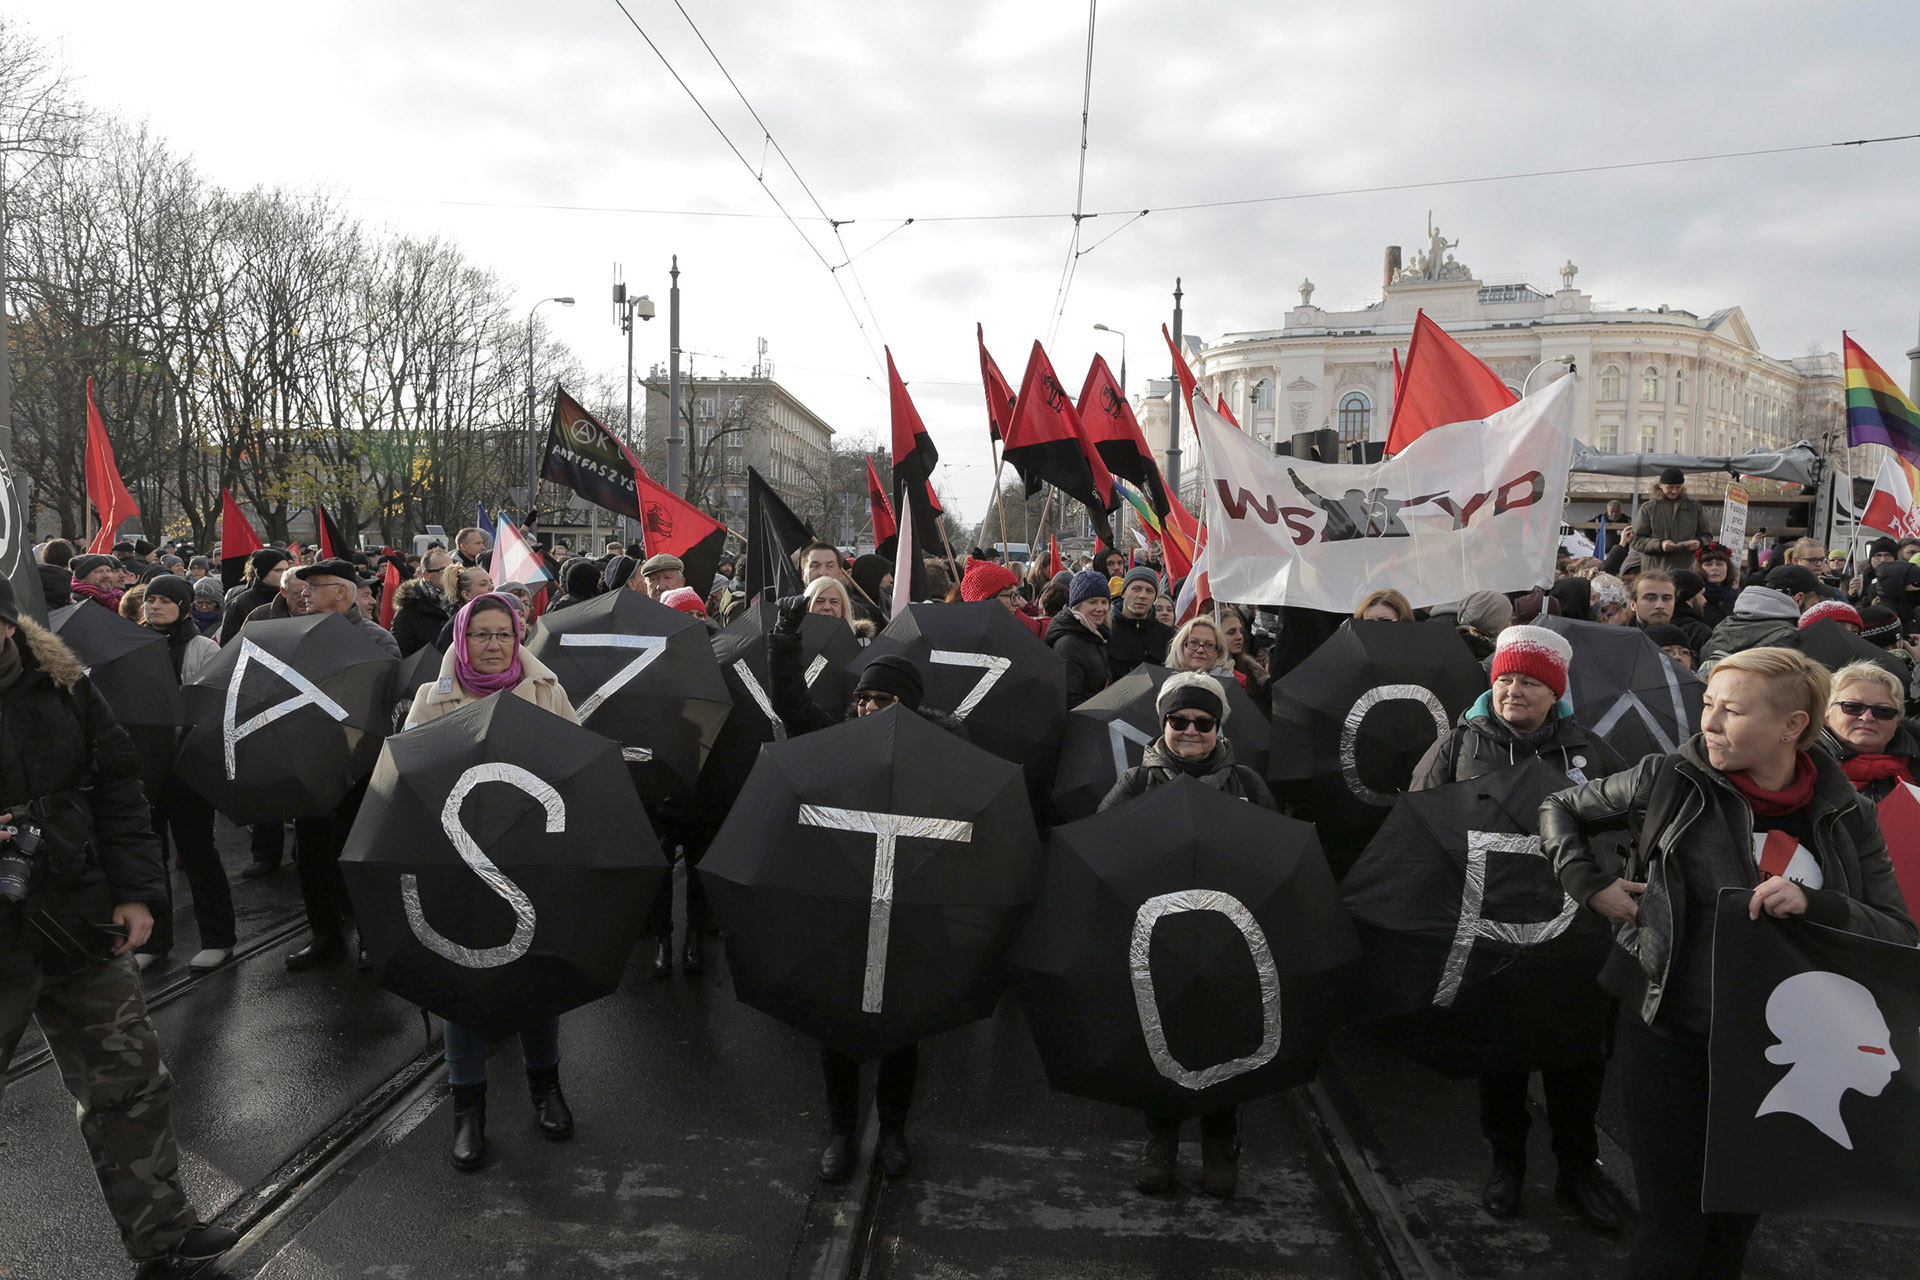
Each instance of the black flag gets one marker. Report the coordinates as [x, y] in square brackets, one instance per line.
[1815, 1100]
[16, 553]
[774, 533]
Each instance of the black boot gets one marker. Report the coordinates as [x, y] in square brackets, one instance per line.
[1502, 1193]
[1590, 1194]
[327, 949]
[549, 1104]
[895, 1157]
[1157, 1159]
[663, 957]
[836, 1160]
[469, 1126]
[692, 959]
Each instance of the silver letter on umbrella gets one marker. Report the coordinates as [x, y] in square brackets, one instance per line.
[760, 699]
[650, 647]
[1148, 1005]
[992, 667]
[886, 829]
[1350, 732]
[1119, 734]
[1474, 893]
[310, 696]
[470, 853]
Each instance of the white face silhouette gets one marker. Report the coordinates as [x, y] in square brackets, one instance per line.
[1833, 1035]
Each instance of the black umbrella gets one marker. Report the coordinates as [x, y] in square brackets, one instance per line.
[422, 666]
[1475, 952]
[129, 665]
[1107, 733]
[827, 645]
[501, 865]
[1183, 953]
[1625, 690]
[1353, 719]
[988, 671]
[869, 879]
[644, 675]
[1833, 647]
[287, 719]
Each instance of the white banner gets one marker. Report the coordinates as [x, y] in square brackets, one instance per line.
[1471, 506]
[1733, 519]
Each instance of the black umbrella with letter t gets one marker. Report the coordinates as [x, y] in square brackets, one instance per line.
[1352, 721]
[1186, 952]
[1625, 690]
[870, 877]
[1477, 959]
[501, 865]
[1107, 733]
[129, 665]
[645, 676]
[287, 719]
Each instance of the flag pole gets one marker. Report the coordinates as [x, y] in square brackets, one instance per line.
[1000, 504]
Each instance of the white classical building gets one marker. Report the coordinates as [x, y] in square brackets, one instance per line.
[1656, 379]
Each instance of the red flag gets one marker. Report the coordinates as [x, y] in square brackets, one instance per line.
[1228, 413]
[1109, 422]
[671, 524]
[104, 488]
[1396, 375]
[1443, 382]
[884, 526]
[237, 540]
[389, 588]
[914, 458]
[1046, 443]
[1000, 395]
[1054, 568]
[1180, 369]
[1900, 823]
[333, 543]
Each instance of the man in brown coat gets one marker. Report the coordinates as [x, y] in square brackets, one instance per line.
[1670, 528]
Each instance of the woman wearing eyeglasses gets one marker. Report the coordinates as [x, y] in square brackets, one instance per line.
[1193, 709]
[490, 659]
[1866, 729]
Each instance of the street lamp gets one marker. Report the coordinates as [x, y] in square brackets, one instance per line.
[1123, 356]
[533, 429]
[1565, 360]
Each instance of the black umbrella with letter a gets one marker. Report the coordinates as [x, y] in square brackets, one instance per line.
[870, 877]
[501, 865]
[1185, 952]
[287, 719]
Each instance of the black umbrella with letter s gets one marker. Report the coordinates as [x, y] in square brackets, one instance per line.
[287, 719]
[870, 877]
[501, 865]
[1186, 952]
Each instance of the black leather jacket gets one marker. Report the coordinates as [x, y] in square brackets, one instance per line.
[1702, 806]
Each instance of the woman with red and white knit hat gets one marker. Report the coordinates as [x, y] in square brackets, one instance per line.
[986, 580]
[1526, 715]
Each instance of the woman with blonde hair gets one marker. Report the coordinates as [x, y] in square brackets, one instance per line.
[1867, 731]
[1199, 646]
[1384, 605]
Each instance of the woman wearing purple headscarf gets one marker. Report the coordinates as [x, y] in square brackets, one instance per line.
[487, 657]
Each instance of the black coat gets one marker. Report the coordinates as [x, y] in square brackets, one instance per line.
[1134, 641]
[1482, 742]
[1157, 766]
[1084, 649]
[1904, 742]
[419, 612]
[251, 597]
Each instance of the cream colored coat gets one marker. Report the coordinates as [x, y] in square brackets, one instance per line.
[538, 685]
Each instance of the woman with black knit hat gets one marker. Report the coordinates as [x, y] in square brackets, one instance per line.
[188, 818]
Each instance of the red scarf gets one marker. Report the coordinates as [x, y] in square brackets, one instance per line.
[1778, 804]
[1862, 769]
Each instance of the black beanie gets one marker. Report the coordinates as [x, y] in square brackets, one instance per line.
[1883, 547]
[583, 578]
[171, 586]
[266, 558]
[891, 673]
[1880, 625]
[1673, 475]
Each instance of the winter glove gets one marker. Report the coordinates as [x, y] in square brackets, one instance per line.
[793, 611]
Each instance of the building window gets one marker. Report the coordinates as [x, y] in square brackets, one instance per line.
[1610, 382]
[1678, 437]
[1649, 437]
[1608, 439]
[1356, 416]
[1679, 386]
[703, 407]
[1263, 394]
[1650, 384]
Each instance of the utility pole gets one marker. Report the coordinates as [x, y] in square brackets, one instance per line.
[1913, 366]
[627, 309]
[1173, 420]
[675, 440]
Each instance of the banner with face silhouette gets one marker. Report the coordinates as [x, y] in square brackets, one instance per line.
[1815, 1107]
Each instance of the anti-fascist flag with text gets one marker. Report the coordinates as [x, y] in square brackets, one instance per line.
[1046, 444]
[584, 455]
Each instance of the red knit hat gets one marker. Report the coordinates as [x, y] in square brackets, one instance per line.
[1536, 652]
[1832, 611]
[685, 599]
[984, 580]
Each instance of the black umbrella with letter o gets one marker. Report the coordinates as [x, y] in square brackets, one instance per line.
[983, 667]
[827, 646]
[870, 877]
[645, 676]
[1625, 690]
[1186, 952]
[287, 719]
[1477, 959]
[1352, 721]
[129, 665]
[501, 865]
[1107, 733]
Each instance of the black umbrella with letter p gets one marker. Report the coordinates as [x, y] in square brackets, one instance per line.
[287, 719]
[870, 877]
[129, 665]
[501, 865]
[1185, 953]
[645, 676]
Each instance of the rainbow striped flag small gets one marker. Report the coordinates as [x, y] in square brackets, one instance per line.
[1878, 412]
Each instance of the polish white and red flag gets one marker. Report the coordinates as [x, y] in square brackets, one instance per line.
[1890, 507]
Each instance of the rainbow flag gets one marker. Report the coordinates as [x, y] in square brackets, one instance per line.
[1878, 412]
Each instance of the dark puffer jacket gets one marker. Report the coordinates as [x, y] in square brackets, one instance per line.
[241, 606]
[1703, 821]
[1159, 766]
[419, 611]
[1084, 650]
[1482, 742]
[1135, 641]
[62, 751]
[1904, 742]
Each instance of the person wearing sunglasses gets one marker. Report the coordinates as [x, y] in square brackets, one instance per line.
[1193, 713]
[1525, 715]
[1867, 731]
[491, 658]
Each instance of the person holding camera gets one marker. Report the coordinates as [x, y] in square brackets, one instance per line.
[79, 871]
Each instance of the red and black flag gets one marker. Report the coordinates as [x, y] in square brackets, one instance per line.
[333, 543]
[584, 455]
[237, 541]
[914, 460]
[671, 525]
[884, 525]
[1000, 397]
[774, 533]
[1117, 436]
[1047, 444]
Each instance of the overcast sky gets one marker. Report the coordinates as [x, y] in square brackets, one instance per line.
[935, 109]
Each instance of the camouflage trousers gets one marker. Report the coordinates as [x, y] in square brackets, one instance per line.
[96, 1023]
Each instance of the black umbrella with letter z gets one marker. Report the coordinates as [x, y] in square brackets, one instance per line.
[501, 865]
[287, 719]
[869, 879]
